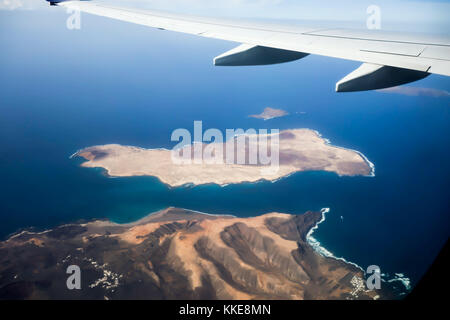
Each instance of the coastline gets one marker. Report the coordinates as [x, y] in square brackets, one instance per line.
[206, 244]
[320, 249]
[179, 216]
[316, 245]
[368, 162]
[163, 178]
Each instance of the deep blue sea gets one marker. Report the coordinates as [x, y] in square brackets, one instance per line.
[113, 82]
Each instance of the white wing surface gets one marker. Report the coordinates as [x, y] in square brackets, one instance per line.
[389, 59]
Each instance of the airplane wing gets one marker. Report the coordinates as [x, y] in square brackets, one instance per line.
[388, 59]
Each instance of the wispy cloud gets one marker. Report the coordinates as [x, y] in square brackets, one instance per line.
[22, 4]
[11, 4]
[417, 91]
[406, 15]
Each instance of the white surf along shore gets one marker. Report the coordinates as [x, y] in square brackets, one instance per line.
[319, 248]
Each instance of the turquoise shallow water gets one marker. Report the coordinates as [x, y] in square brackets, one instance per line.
[68, 93]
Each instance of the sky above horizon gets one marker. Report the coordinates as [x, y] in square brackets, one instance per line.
[417, 15]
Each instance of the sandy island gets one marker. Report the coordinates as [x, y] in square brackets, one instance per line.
[299, 150]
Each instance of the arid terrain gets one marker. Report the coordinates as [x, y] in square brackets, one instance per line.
[178, 254]
[299, 150]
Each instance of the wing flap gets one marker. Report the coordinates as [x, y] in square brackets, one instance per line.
[439, 53]
[402, 49]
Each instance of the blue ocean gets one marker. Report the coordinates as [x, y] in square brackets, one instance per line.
[111, 82]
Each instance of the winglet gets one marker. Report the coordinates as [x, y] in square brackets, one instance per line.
[55, 2]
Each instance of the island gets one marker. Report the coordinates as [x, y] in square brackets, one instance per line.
[270, 113]
[299, 150]
[179, 254]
